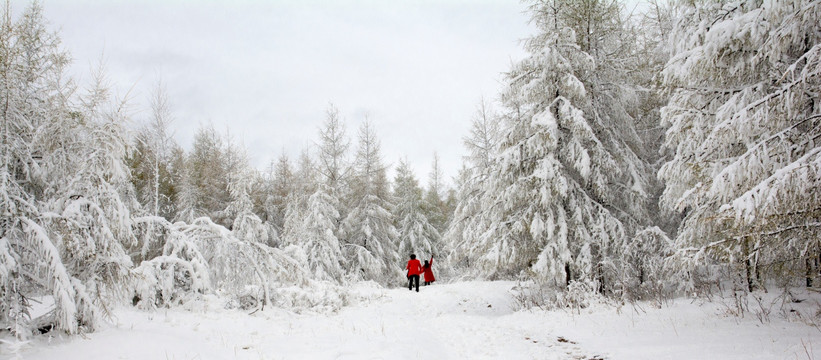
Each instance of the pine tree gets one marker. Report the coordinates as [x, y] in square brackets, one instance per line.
[245, 224]
[27, 103]
[207, 169]
[293, 232]
[185, 203]
[63, 186]
[416, 234]
[370, 239]
[96, 222]
[150, 166]
[333, 146]
[333, 168]
[320, 242]
[470, 217]
[743, 120]
[282, 185]
[174, 275]
[433, 205]
[567, 186]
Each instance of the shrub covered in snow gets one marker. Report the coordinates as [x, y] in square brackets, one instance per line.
[576, 296]
[179, 273]
[645, 268]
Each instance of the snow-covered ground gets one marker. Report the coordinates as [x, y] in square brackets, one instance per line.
[468, 320]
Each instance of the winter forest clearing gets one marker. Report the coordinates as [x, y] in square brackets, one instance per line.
[465, 320]
[646, 184]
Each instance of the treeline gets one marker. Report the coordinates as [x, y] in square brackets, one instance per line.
[335, 201]
[643, 156]
[96, 214]
[631, 156]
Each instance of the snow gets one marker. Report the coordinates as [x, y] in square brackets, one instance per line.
[467, 320]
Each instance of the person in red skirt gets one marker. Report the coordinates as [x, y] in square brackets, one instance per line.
[428, 271]
[414, 269]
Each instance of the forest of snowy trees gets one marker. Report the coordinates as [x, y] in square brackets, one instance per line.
[631, 156]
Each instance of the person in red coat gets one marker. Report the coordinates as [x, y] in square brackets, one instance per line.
[414, 269]
[428, 271]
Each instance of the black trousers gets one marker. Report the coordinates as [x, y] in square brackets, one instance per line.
[411, 279]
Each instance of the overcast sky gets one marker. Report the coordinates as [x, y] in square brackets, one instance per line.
[267, 70]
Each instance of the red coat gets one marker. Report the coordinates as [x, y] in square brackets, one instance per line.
[414, 267]
[429, 272]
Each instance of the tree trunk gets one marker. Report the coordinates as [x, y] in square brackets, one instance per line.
[818, 266]
[567, 274]
[748, 264]
[757, 271]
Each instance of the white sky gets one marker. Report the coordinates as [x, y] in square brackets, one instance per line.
[267, 70]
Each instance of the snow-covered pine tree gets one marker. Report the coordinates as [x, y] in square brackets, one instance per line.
[177, 274]
[307, 175]
[458, 236]
[150, 162]
[324, 208]
[646, 61]
[433, 205]
[567, 187]
[61, 179]
[416, 234]
[469, 217]
[313, 212]
[293, 232]
[207, 168]
[150, 166]
[241, 268]
[370, 239]
[297, 201]
[90, 192]
[245, 224]
[744, 122]
[320, 243]
[646, 271]
[27, 103]
[235, 166]
[333, 146]
[185, 203]
[281, 185]
[259, 189]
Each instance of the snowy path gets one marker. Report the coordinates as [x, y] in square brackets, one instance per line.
[471, 320]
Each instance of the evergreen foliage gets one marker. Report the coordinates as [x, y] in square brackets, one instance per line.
[566, 189]
[626, 157]
[743, 127]
[63, 186]
[416, 234]
[370, 238]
